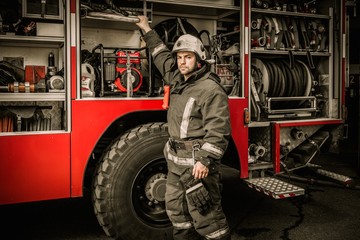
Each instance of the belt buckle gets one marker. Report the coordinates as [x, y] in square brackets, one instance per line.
[196, 146]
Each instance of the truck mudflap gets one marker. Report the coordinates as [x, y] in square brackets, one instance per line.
[274, 187]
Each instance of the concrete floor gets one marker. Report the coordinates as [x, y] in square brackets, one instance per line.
[325, 212]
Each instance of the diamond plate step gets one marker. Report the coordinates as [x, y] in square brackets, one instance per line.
[338, 177]
[274, 187]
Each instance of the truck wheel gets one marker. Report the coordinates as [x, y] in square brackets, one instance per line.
[129, 186]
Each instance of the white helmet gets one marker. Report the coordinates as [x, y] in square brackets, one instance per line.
[189, 43]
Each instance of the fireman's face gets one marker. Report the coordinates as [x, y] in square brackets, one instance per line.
[186, 62]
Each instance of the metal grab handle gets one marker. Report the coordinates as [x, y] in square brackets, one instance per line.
[43, 6]
[270, 100]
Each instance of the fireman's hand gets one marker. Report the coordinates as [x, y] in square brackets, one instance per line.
[200, 170]
[144, 24]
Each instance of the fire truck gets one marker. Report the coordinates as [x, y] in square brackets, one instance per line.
[81, 104]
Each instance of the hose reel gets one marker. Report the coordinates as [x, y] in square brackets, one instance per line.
[279, 88]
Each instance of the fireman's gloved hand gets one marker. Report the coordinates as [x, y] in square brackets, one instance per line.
[196, 193]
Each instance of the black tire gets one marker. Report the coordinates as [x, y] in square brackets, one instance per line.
[129, 186]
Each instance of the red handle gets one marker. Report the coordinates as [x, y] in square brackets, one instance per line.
[166, 98]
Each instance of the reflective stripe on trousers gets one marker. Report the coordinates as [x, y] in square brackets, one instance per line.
[219, 234]
[182, 225]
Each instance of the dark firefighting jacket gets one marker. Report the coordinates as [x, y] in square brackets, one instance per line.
[198, 109]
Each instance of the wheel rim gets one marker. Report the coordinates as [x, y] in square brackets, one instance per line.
[148, 194]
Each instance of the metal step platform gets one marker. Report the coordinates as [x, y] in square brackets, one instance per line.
[274, 188]
[347, 181]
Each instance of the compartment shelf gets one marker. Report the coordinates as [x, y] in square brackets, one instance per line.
[38, 41]
[200, 3]
[287, 13]
[203, 9]
[29, 97]
[285, 52]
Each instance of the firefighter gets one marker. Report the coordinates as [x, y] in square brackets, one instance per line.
[199, 129]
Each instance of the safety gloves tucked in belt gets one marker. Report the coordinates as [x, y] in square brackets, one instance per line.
[198, 196]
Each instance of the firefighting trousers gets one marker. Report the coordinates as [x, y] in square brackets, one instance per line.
[188, 223]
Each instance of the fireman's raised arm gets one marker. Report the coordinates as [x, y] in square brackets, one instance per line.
[162, 56]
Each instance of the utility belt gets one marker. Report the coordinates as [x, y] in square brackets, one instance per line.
[184, 145]
[183, 155]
